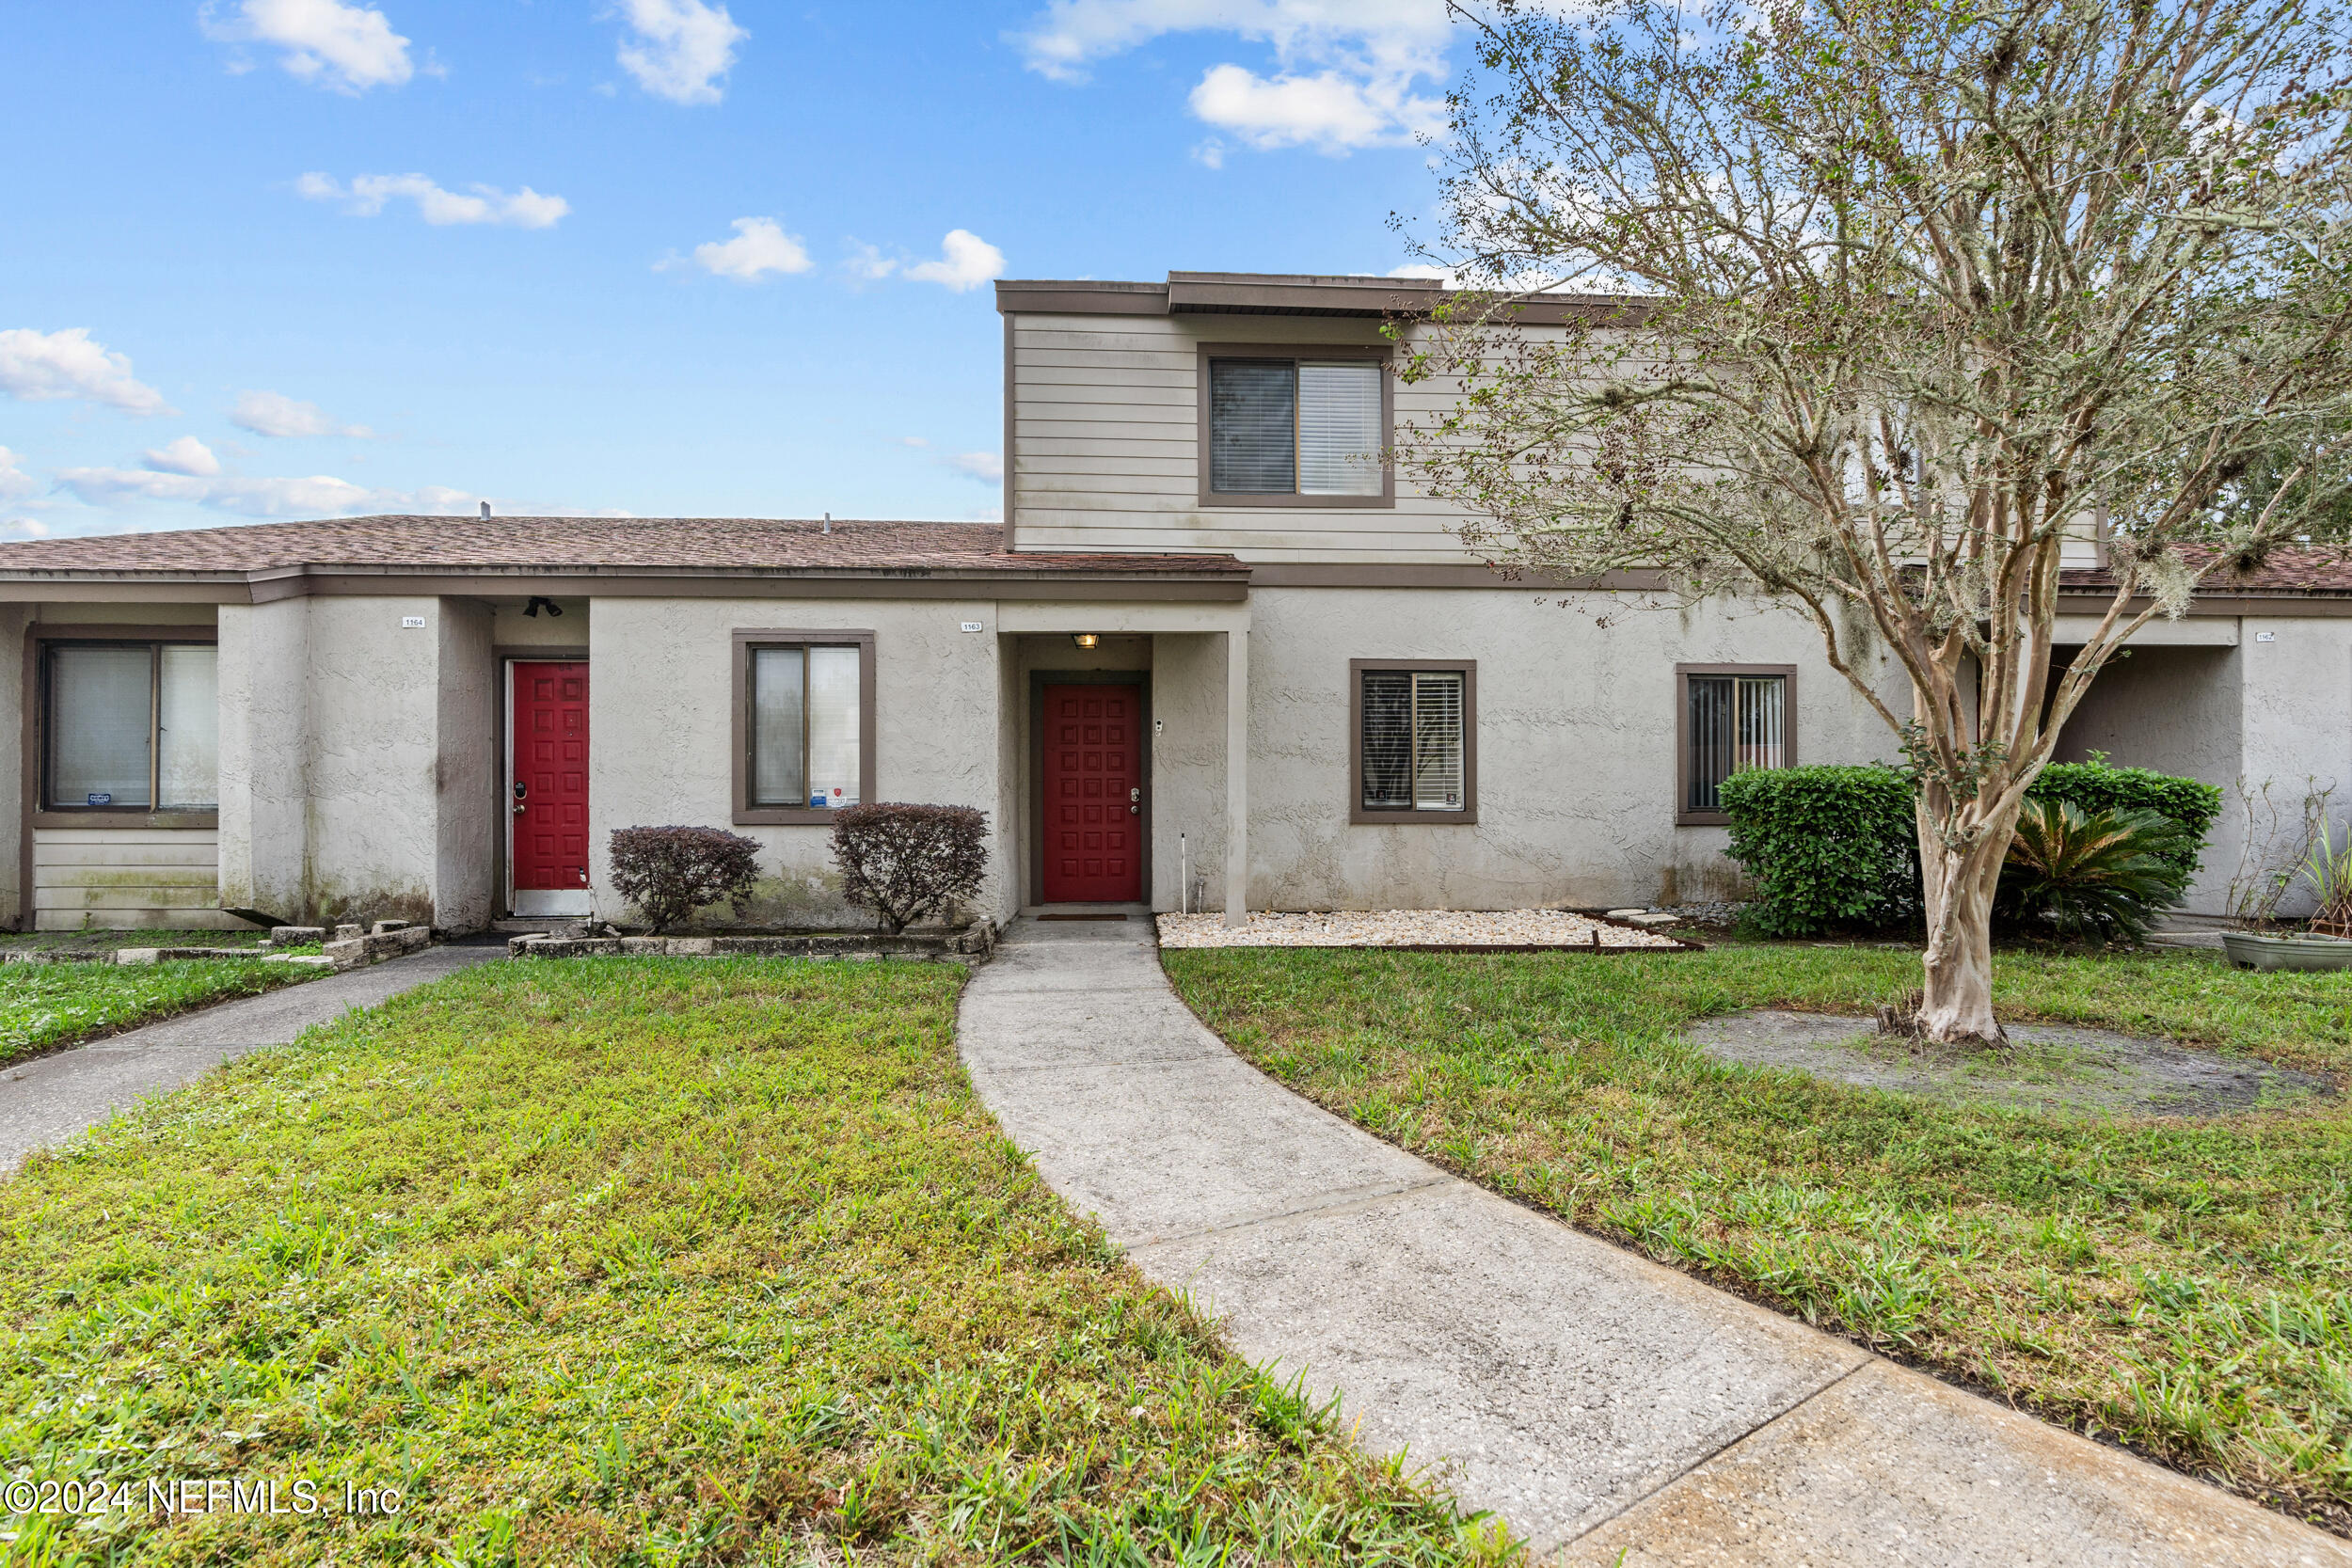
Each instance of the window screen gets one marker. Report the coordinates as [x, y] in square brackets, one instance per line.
[1735, 721]
[1412, 740]
[1253, 427]
[133, 724]
[804, 727]
[1283, 427]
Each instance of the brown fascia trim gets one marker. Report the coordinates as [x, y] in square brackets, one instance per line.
[739, 729]
[271, 586]
[1376, 574]
[1216, 499]
[2306, 604]
[1081, 297]
[1240, 294]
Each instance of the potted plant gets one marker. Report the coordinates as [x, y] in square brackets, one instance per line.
[2276, 854]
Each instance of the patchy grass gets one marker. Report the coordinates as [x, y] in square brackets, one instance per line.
[44, 1007]
[105, 939]
[2182, 1285]
[645, 1261]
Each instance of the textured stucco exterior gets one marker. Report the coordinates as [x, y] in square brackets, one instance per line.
[2265, 700]
[362, 759]
[661, 744]
[358, 758]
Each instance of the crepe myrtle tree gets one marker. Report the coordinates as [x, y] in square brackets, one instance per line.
[1883, 300]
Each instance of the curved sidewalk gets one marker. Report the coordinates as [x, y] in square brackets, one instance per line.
[1599, 1404]
[48, 1100]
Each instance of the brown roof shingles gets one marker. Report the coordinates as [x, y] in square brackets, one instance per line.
[2298, 569]
[559, 544]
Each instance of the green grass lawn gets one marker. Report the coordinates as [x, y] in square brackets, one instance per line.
[644, 1261]
[45, 1005]
[2183, 1285]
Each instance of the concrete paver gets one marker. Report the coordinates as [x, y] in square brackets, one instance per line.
[48, 1100]
[1600, 1404]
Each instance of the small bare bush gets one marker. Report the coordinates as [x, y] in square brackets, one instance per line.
[669, 873]
[904, 862]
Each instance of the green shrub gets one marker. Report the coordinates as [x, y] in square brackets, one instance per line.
[2094, 786]
[1825, 846]
[1830, 846]
[2105, 874]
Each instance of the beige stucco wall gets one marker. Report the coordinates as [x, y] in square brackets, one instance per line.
[660, 743]
[358, 759]
[1576, 745]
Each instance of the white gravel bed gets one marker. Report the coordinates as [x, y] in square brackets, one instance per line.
[1405, 929]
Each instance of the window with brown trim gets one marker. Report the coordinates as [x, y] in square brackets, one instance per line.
[1295, 426]
[804, 729]
[1413, 731]
[130, 726]
[1729, 718]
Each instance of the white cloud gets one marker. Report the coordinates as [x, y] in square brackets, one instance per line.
[38, 367]
[318, 495]
[917, 441]
[15, 481]
[965, 262]
[989, 465]
[1331, 111]
[187, 456]
[23, 528]
[348, 48]
[276, 413]
[367, 194]
[1348, 67]
[678, 48]
[758, 248]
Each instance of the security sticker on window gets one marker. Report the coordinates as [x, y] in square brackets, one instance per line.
[101, 798]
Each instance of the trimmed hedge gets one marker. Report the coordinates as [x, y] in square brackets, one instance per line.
[2096, 787]
[1831, 847]
[1825, 845]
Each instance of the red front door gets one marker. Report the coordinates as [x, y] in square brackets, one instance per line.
[1093, 795]
[550, 806]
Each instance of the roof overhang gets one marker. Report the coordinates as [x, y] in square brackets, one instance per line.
[574, 581]
[1245, 293]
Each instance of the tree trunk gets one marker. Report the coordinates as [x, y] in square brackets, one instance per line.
[1956, 1000]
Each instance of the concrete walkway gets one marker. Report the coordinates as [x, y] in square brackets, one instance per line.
[46, 1100]
[1599, 1404]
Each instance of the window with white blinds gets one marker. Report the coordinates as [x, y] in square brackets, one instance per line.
[1732, 722]
[1414, 740]
[1280, 427]
[132, 724]
[804, 718]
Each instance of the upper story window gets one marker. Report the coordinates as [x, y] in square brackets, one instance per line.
[1416, 738]
[131, 726]
[804, 741]
[1732, 716]
[1303, 428]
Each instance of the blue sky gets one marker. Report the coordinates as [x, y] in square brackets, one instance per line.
[272, 258]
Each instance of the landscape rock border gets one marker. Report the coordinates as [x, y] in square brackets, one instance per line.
[973, 944]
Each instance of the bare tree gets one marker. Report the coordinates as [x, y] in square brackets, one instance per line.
[1889, 296]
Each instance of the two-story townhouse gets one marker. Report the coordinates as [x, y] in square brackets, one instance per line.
[1216, 654]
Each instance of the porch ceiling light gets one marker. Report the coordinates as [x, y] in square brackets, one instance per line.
[1086, 639]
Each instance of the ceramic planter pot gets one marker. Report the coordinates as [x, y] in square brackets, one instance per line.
[2258, 950]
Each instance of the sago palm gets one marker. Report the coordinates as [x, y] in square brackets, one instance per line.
[2099, 874]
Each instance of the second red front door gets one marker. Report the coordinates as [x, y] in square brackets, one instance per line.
[550, 804]
[1092, 791]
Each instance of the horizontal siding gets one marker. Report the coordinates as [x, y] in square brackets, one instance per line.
[131, 877]
[1107, 446]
